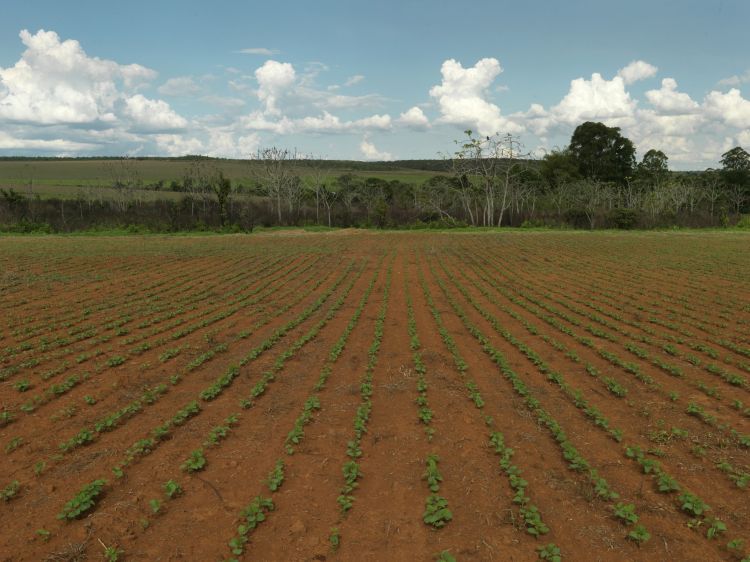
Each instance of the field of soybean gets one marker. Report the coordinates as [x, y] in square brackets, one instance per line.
[366, 395]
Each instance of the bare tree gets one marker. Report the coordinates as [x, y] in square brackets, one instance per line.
[590, 194]
[274, 169]
[125, 179]
[676, 195]
[632, 194]
[561, 196]
[713, 190]
[315, 179]
[437, 195]
[492, 164]
[197, 182]
[328, 198]
[206, 181]
[736, 196]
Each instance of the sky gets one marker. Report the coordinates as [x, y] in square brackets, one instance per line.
[370, 80]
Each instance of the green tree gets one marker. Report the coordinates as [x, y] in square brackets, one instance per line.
[558, 167]
[736, 167]
[222, 188]
[654, 167]
[602, 153]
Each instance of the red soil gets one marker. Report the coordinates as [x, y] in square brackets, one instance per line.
[78, 306]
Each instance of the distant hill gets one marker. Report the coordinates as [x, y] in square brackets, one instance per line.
[432, 165]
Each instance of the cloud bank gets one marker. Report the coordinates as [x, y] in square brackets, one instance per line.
[58, 99]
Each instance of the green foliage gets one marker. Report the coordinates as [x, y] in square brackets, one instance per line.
[736, 544]
[186, 413]
[155, 505]
[602, 153]
[625, 513]
[276, 477]
[83, 437]
[716, 527]
[615, 388]
[533, 521]
[692, 504]
[6, 417]
[665, 483]
[112, 553]
[298, 432]
[549, 552]
[334, 538]
[736, 166]
[345, 501]
[221, 431]
[623, 219]
[10, 491]
[13, 444]
[559, 168]
[654, 168]
[252, 516]
[436, 511]
[84, 501]
[172, 489]
[195, 462]
[432, 475]
[639, 534]
[23, 385]
[115, 361]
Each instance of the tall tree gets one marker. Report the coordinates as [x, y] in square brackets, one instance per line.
[559, 167]
[489, 166]
[602, 153]
[654, 167]
[736, 167]
[274, 169]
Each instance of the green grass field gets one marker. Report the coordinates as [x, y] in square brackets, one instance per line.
[67, 178]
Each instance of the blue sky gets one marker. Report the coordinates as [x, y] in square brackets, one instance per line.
[370, 80]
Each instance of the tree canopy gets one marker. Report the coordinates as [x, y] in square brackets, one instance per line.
[654, 167]
[736, 166]
[602, 153]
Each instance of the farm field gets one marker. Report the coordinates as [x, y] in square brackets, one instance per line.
[91, 178]
[376, 396]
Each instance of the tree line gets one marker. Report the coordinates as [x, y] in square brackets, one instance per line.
[594, 182]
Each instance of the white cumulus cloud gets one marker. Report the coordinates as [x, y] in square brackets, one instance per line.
[223, 143]
[381, 122]
[323, 123]
[58, 146]
[259, 51]
[668, 100]
[180, 86]
[152, 115]
[352, 80]
[414, 118]
[730, 107]
[274, 78]
[462, 97]
[56, 82]
[637, 70]
[597, 99]
[370, 152]
[178, 145]
[736, 80]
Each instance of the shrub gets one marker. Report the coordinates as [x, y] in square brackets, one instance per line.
[623, 219]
